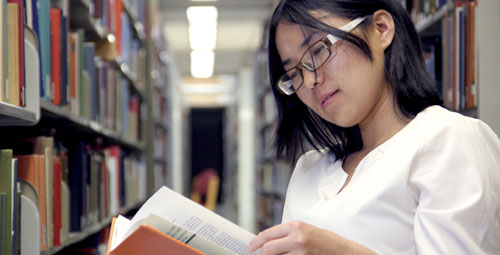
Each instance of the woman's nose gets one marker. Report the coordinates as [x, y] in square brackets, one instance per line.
[313, 78]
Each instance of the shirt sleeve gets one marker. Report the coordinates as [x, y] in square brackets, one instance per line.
[456, 179]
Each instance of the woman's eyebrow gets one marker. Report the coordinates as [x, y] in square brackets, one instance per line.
[304, 43]
[307, 39]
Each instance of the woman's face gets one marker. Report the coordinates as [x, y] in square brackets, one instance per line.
[349, 87]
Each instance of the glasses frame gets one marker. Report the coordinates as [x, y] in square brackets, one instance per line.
[329, 40]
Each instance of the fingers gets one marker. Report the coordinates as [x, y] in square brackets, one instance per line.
[276, 246]
[276, 232]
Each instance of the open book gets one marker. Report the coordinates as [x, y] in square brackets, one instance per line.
[172, 223]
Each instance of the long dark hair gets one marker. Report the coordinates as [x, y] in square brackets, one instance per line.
[405, 69]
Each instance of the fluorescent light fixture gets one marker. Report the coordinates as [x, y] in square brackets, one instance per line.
[201, 13]
[202, 27]
[202, 63]
[202, 36]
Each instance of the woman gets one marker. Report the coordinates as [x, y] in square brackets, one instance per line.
[393, 172]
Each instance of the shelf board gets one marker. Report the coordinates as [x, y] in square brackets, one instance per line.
[130, 76]
[80, 18]
[472, 112]
[161, 124]
[433, 19]
[159, 160]
[11, 115]
[76, 237]
[266, 159]
[62, 112]
[272, 194]
[266, 125]
[137, 26]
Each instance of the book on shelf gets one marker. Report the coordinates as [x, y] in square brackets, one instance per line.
[7, 195]
[31, 169]
[30, 219]
[171, 223]
[3, 52]
[459, 56]
[12, 95]
[79, 181]
[18, 34]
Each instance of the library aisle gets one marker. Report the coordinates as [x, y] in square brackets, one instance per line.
[103, 102]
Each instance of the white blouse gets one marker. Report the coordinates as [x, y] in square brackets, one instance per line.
[432, 188]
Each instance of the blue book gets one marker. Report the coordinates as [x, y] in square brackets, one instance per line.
[44, 39]
[64, 61]
[76, 182]
[36, 29]
[89, 67]
[124, 107]
[461, 61]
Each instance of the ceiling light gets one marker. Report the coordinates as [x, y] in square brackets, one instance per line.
[202, 36]
[202, 27]
[197, 14]
[202, 63]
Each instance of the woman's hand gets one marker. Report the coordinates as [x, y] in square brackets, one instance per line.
[301, 238]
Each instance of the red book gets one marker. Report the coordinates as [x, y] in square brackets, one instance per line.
[117, 11]
[20, 4]
[57, 201]
[55, 54]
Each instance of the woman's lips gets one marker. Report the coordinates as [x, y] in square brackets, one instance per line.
[327, 99]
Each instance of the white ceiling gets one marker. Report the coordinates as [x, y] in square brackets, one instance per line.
[239, 32]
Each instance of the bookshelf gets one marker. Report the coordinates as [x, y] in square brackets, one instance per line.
[87, 124]
[464, 65]
[272, 175]
[158, 110]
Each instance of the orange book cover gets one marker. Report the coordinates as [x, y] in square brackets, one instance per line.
[55, 49]
[118, 8]
[29, 170]
[42, 201]
[185, 228]
[148, 240]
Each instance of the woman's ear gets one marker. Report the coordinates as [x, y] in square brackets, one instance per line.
[384, 28]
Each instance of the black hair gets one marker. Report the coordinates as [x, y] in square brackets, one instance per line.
[405, 69]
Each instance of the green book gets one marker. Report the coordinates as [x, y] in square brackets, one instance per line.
[3, 225]
[6, 187]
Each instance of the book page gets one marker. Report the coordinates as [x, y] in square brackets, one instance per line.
[177, 233]
[121, 226]
[197, 219]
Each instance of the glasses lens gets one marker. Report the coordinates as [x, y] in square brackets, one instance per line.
[290, 81]
[316, 56]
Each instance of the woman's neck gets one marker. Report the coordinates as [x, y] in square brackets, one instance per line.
[382, 123]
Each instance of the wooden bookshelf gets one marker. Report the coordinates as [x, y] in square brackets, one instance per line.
[102, 131]
[434, 18]
[138, 27]
[62, 114]
[11, 115]
[76, 237]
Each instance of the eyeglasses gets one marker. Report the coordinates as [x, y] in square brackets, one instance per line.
[313, 58]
